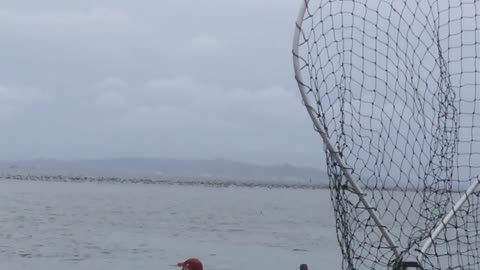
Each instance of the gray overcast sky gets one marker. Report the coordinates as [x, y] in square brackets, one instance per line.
[169, 78]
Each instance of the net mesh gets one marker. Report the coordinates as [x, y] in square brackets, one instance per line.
[394, 84]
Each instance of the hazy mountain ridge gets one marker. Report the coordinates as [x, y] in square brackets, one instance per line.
[217, 168]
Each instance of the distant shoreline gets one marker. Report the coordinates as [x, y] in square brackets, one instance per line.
[218, 172]
[166, 180]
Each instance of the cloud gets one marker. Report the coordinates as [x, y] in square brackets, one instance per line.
[63, 21]
[111, 99]
[17, 100]
[206, 42]
[110, 84]
[187, 117]
[149, 79]
[184, 104]
[181, 116]
[22, 96]
[232, 106]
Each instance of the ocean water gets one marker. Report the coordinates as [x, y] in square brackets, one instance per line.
[56, 225]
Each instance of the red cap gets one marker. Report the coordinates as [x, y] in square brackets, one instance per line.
[192, 264]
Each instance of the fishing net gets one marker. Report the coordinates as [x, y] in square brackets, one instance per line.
[392, 88]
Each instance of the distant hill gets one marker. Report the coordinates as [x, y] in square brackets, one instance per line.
[170, 167]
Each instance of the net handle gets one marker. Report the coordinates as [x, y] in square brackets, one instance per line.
[326, 140]
[429, 242]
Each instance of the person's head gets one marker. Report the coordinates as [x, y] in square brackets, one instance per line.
[303, 266]
[191, 264]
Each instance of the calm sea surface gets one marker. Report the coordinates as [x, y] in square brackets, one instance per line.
[59, 226]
